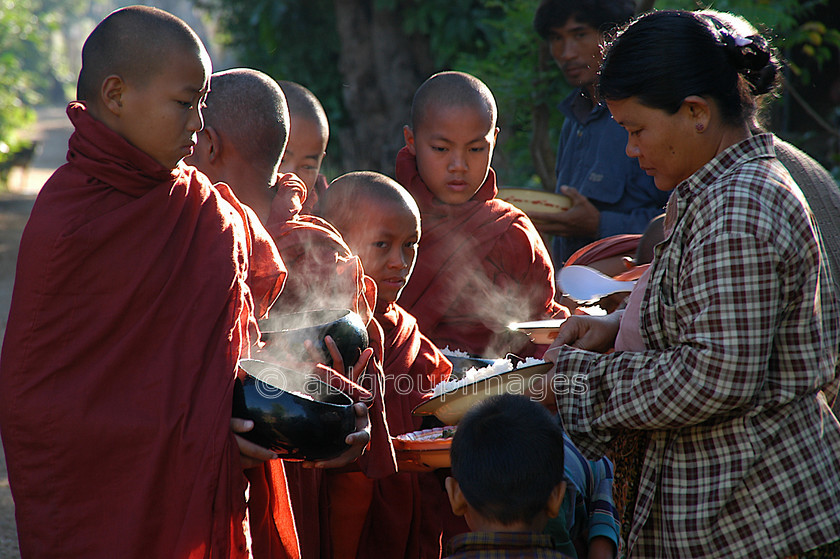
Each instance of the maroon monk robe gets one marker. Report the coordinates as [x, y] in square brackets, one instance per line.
[129, 313]
[323, 273]
[408, 510]
[310, 205]
[273, 531]
[480, 266]
[262, 255]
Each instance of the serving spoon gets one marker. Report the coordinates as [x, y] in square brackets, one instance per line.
[585, 284]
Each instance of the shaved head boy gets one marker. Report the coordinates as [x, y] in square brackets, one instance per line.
[381, 223]
[482, 264]
[130, 310]
[246, 125]
[308, 137]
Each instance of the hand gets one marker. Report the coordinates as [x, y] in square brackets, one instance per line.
[358, 441]
[582, 219]
[341, 382]
[251, 454]
[593, 333]
[338, 360]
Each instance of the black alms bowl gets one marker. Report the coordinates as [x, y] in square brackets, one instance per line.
[285, 334]
[295, 414]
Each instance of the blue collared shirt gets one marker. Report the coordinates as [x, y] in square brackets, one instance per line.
[591, 158]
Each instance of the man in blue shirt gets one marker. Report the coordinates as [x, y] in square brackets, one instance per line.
[610, 193]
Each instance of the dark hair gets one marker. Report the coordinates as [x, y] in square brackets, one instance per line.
[452, 89]
[249, 107]
[507, 456]
[603, 15]
[663, 57]
[136, 42]
[339, 204]
[304, 104]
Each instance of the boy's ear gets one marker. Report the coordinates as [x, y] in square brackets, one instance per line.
[214, 144]
[555, 500]
[495, 135]
[111, 93]
[408, 134]
[456, 499]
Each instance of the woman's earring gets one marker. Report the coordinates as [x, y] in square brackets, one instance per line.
[699, 127]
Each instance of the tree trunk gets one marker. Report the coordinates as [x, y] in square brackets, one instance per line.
[381, 68]
[542, 152]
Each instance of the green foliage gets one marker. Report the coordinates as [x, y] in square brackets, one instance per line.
[287, 40]
[32, 62]
[813, 42]
[19, 42]
[511, 68]
[492, 39]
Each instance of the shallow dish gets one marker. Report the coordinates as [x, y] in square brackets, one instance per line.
[423, 451]
[295, 414]
[540, 331]
[531, 200]
[450, 407]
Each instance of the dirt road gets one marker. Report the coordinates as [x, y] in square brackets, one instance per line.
[52, 131]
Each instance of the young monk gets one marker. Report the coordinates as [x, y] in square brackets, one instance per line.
[308, 137]
[481, 263]
[245, 104]
[381, 223]
[129, 313]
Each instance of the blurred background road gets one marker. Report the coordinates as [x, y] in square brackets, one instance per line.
[52, 131]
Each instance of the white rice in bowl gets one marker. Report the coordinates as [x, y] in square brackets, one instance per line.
[473, 374]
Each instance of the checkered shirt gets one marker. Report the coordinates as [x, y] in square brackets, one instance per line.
[502, 545]
[741, 325]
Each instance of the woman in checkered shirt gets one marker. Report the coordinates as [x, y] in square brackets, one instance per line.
[740, 320]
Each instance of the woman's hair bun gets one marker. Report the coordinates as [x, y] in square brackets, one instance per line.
[751, 57]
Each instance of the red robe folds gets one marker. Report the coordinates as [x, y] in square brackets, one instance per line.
[405, 518]
[480, 266]
[323, 273]
[311, 202]
[129, 312]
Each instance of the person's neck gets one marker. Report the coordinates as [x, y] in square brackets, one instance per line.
[731, 136]
[253, 191]
[592, 93]
[479, 523]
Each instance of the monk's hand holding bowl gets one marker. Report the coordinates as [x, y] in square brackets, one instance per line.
[359, 439]
[250, 454]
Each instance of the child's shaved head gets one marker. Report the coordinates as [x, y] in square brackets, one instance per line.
[347, 195]
[135, 43]
[381, 223]
[304, 104]
[452, 89]
[250, 109]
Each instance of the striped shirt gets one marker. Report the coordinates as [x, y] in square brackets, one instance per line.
[741, 324]
[587, 510]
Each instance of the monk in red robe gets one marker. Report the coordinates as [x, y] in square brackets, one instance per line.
[130, 309]
[309, 134]
[481, 264]
[408, 513]
[246, 126]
